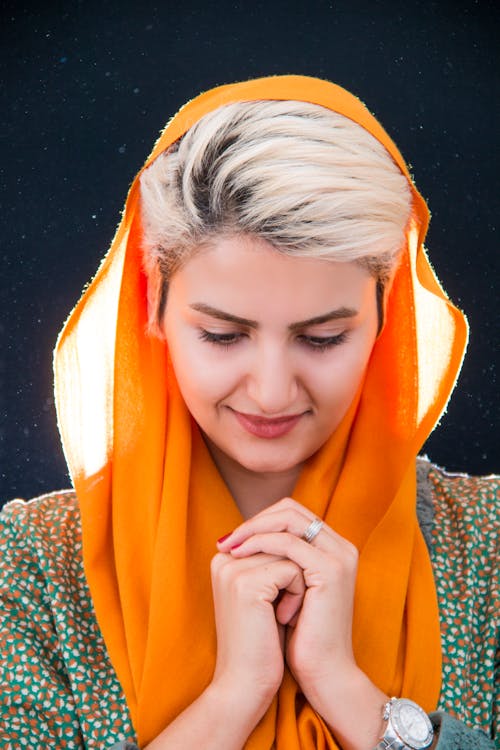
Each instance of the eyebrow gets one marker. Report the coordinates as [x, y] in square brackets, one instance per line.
[338, 313]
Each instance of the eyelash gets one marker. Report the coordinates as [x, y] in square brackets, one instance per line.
[316, 343]
[322, 343]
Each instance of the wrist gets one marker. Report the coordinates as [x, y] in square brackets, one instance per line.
[407, 727]
[350, 704]
[221, 718]
[236, 697]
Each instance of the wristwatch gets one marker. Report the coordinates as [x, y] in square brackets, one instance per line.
[408, 726]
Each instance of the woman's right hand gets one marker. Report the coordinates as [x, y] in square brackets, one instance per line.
[254, 599]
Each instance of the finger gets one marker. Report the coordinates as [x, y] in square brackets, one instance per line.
[289, 582]
[222, 563]
[289, 606]
[291, 598]
[272, 518]
[282, 637]
[267, 574]
[311, 559]
[290, 520]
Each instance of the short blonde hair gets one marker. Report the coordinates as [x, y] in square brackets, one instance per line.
[307, 180]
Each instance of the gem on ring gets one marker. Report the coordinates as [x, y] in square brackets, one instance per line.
[312, 530]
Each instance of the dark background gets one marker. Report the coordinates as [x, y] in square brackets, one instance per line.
[86, 88]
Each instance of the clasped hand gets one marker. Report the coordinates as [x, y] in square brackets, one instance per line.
[279, 598]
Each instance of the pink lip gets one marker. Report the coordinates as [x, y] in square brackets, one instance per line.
[267, 428]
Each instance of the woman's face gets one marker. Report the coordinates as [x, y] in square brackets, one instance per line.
[268, 349]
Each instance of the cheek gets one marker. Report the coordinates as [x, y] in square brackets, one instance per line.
[202, 376]
[336, 382]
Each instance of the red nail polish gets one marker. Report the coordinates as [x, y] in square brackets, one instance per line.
[219, 541]
[235, 546]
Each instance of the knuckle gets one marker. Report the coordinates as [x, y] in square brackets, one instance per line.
[345, 564]
[240, 586]
[286, 503]
[215, 562]
[351, 552]
[218, 565]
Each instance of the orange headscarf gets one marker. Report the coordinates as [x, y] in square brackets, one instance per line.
[153, 503]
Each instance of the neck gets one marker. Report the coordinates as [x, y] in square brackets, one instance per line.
[252, 491]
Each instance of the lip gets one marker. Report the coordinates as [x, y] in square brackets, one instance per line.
[267, 428]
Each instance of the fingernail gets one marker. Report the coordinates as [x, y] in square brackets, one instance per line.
[219, 541]
[235, 546]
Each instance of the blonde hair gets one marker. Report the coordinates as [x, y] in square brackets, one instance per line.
[307, 180]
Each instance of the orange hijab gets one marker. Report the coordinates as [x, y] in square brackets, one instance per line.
[153, 504]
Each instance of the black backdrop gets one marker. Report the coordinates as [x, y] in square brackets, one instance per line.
[86, 87]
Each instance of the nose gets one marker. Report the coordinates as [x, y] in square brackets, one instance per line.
[272, 383]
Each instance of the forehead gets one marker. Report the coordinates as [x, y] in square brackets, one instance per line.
[244, 275]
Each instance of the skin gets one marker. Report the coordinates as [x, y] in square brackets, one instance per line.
[273, 366]
[268, 370]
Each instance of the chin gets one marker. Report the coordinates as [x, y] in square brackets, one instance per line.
[268, 464]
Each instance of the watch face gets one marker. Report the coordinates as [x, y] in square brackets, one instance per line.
[412, 724]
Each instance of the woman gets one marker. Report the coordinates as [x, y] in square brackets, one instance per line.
[258, 361]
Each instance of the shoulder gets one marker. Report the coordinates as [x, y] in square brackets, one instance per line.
[465, 526]
[467, 504]
[42, 535]
[52, 645]
[458, 514]
[42, 516]
[463, 520]
[479, 492]
[52, 508]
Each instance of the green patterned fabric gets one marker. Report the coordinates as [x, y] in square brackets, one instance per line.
[58, 688]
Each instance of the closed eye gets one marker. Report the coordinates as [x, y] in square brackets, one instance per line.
[321, 343]
[318, 343]
[222, 339]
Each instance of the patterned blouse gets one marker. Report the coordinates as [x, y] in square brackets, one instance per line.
[58, 688]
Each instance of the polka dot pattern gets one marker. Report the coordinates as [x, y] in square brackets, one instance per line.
[465, 564]
[59, 689]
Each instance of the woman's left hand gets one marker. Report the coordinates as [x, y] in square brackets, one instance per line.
[319, 638]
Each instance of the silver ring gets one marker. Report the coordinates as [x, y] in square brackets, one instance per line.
[312, 530]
